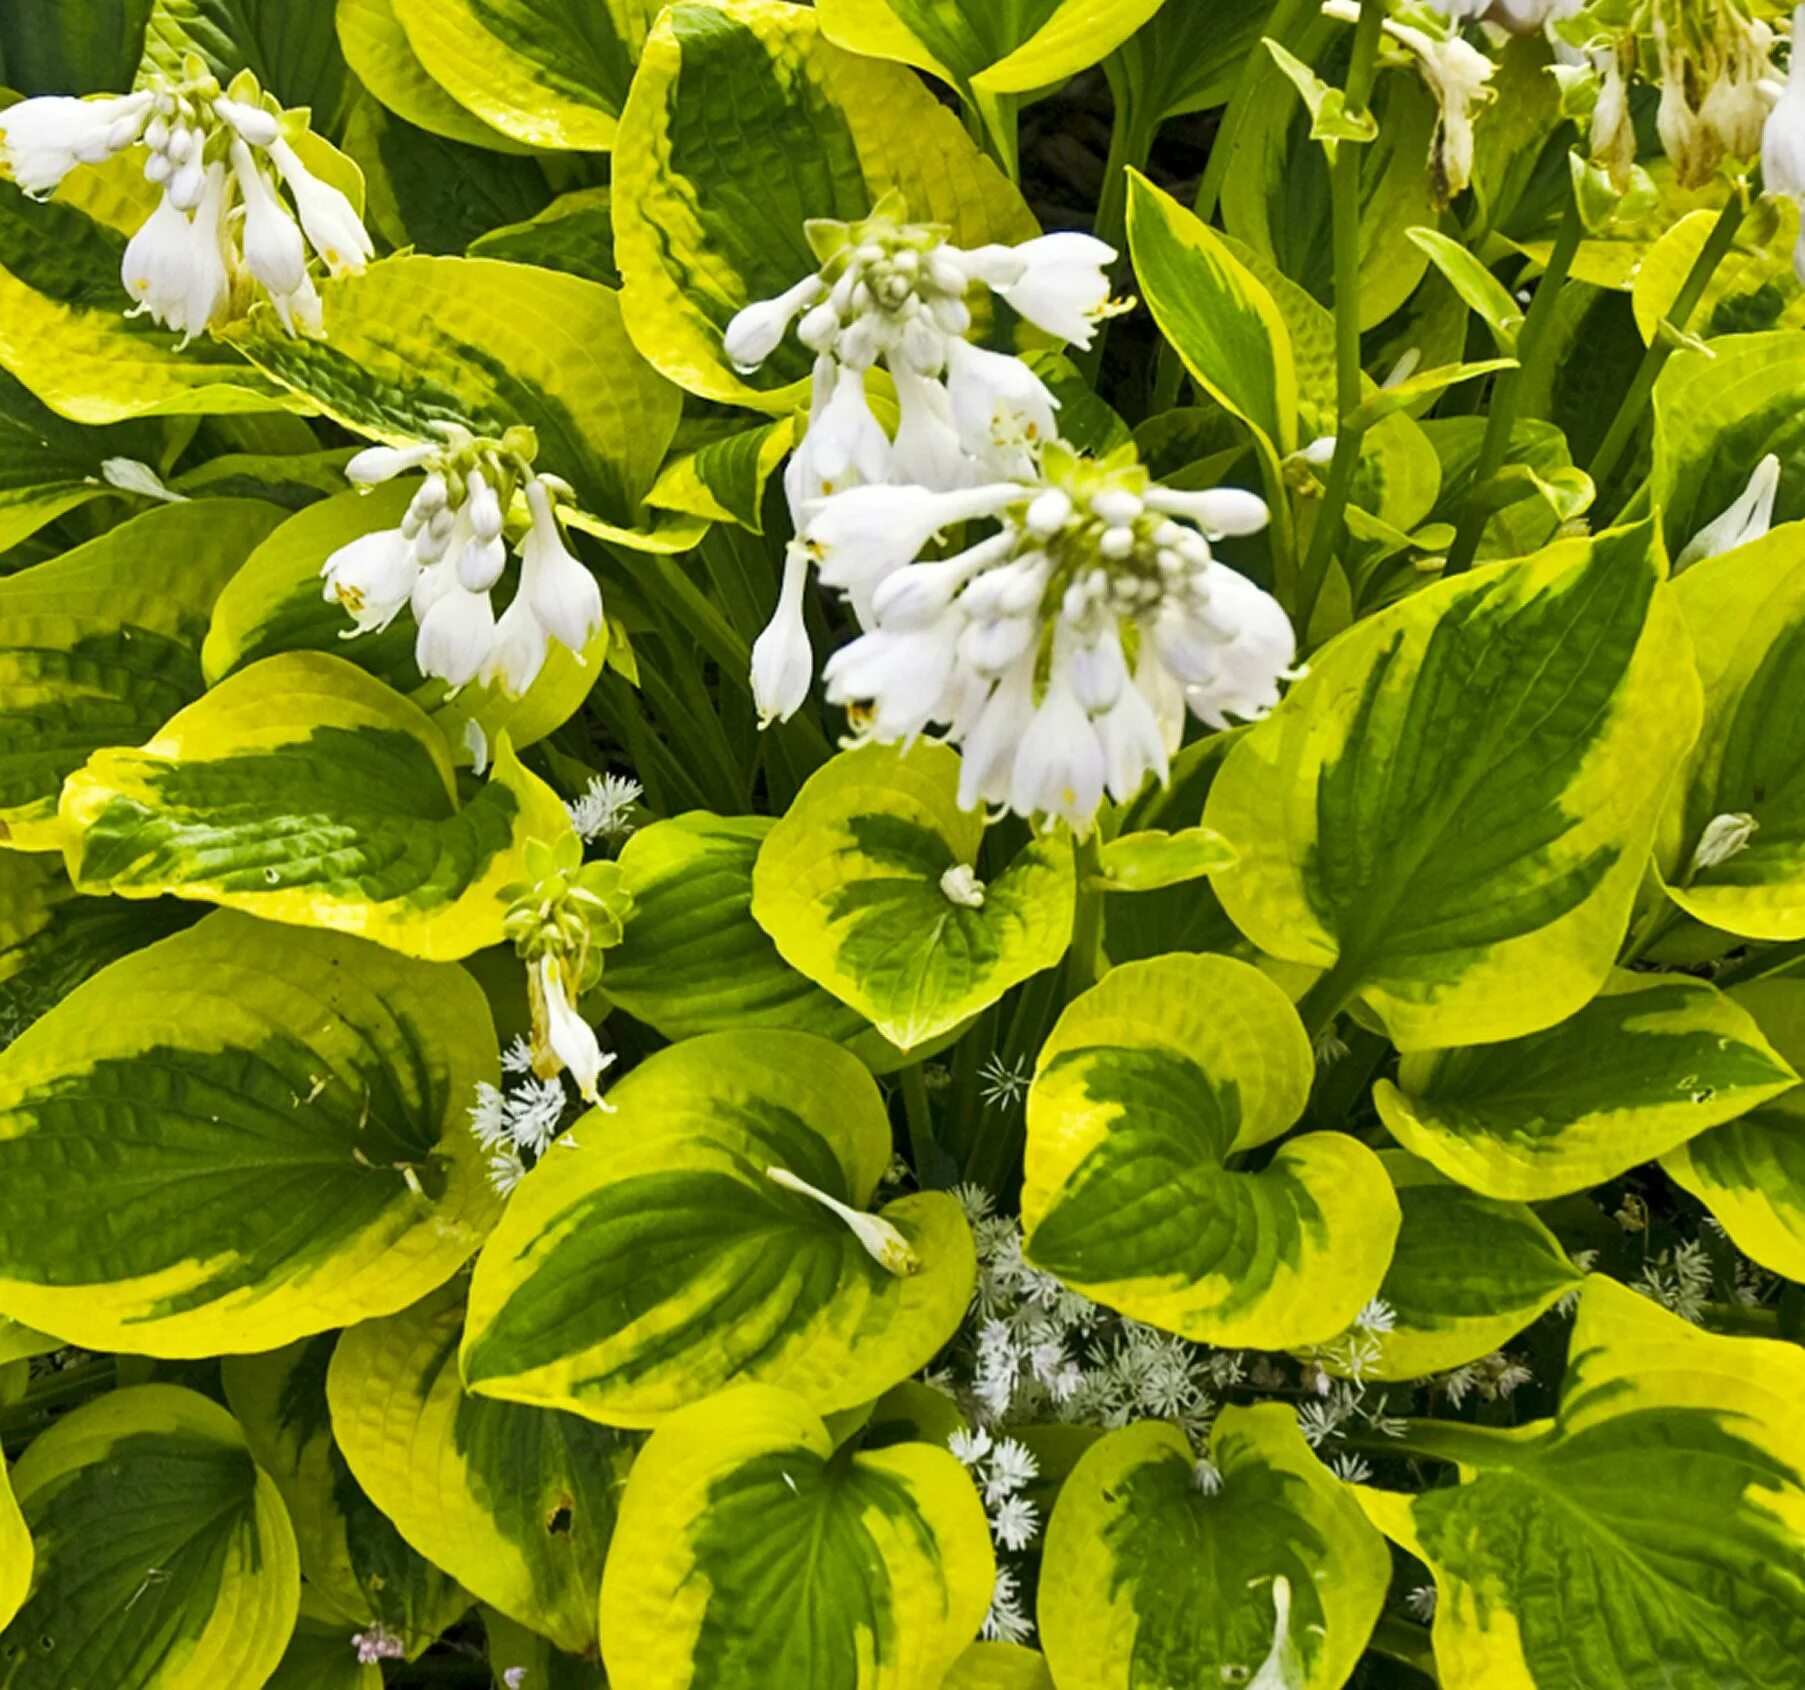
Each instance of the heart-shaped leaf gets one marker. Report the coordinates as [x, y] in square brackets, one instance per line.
[1469, 1273]
[1750, 1173]
[518, 1502]
[1652, 1524]
[1154, 1575]
[749, 1554]
[865, 887]
[270, 1127]
[1647, 1064]
[1152, 1084]
[101, 646]
[694, 961]
[303, 790]
[744, 123]
[999, 1666]
[657, 1259]
[1452, 811]
[165, 1558]
[352, 1557]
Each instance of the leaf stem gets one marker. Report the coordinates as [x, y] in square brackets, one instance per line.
[1084, 961]
[1130, 146]
[1349, 374]
[924, 1148]
[1532, 344]
[1641, 389]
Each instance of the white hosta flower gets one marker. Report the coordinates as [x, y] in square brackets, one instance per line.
[518, 652]
[571, 1039]
[564, 595]
[783, 661]
[1020, 645]
[457, 632]
[156, 263]
[43, 139]
[880, 1239]
[333, 228]
[252, 123]
[209, 287]
[273, 249]
[376, 464]
[756, 332]
[373, 578]
[1000, 406]
[1063, 285]
[894, 293]
[1747, 518]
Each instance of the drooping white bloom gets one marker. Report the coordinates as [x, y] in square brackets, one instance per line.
[757, 331]
[518, 652]
[1063, 285]
[43, 139]
[571, 1038]
[273, 249]
[783, 661]
[1747, 517]
[372, 577]
[880, 1239]
[156, 263]
[1061, 651]
[209, 282]
[1724, 837]
[564, 595]
[1001, 408]
[456, 634]
[333, 228]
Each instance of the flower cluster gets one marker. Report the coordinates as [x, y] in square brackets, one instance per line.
[448, 555]
[1712, 61]
[376, 1645]
[604, 810]
[521, 1119]
[1062, 650]
[1001, 1468]
[896, 293]
[221, 230]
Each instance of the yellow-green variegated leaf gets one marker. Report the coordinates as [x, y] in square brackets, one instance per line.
[656, 1261]
[1653, 1532]
[416, 341]
[65, 334]
[1745, 611]
[1753, 288]
[52, 938]
[1468, 1275]
[743, 123]
[1453, 809]
[303, 790]
[518, 1502]
[1151, 1578]
[1718, 412]
[724, 480]
[21, 1343]
[999, 1666]
[988, 52]
[1218, 316]
[377, 49]
[852, 886]
[1651, 1061]
[542, 71]
[275, 604]
[17, 1558]
[353, 1559]
[165, 1558]
[1750, 1172]
[749, 1555]
[1151, 1085]
[694, 961]
[100, 646]
[270, 1130]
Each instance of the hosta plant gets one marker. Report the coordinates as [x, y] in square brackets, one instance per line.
[902, 845]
